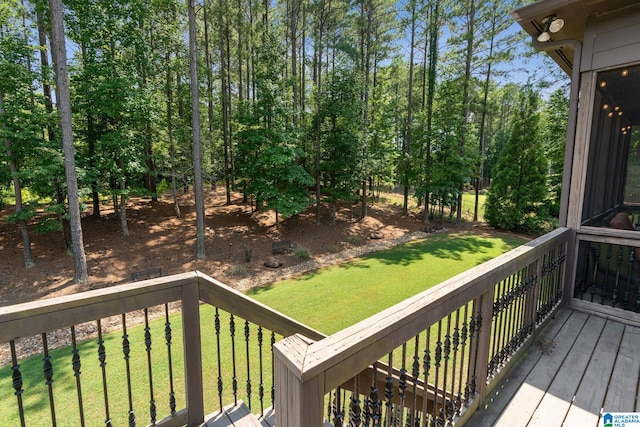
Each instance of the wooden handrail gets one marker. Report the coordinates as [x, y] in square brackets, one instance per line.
[226, 298]
[320, 366]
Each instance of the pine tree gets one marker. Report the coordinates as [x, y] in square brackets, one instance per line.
[519, 188]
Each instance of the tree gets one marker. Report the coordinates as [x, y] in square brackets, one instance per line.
[553, 134]
[59, 53]
[195, 128]
[342, 139]
[518, 191]
[267, 149]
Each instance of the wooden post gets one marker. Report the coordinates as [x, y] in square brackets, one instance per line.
[192, 354]
[299, 402]
[484, 343]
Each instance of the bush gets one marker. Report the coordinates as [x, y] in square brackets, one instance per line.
[238, 270]
[334, 249]
[354, 239]
[301, 253]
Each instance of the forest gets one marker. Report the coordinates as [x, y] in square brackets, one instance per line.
[296, 104]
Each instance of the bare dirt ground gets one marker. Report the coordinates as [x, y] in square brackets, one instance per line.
[237, 244]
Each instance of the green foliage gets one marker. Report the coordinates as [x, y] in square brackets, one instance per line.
[341, 135]
[301, 253]
[518, 191]
[553, 134]
[267, 155]
[48, 225]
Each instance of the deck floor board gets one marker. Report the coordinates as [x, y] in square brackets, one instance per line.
[588, 365]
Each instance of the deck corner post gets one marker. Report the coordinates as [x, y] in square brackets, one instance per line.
[299, 401]
[484, 343]
[192, 354]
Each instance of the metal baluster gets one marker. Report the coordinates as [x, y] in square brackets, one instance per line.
[147, 343]
[16, 376]
[102, 357]
[168, 337]
[415, 375]
[354, 405]
[426, 368]
[585, 273]
[234, 379]
[603, 291]
[497, 308]
[632, 258]
[261, 388]
[503, 335]
[273, 371]
[558, 272]
[456, 344]
[338, 414]
[402, 383]
[471, 376]
[614, 297]
[246, 340]
[76, 365]
[437, 364]
[126, 350]
[595, 272]
[463, 344]
[374, 402]
[217, 328]
[511, 324]
[446, 412]
[388, 391]
[48, 377]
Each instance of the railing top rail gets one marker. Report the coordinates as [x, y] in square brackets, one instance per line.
[34, 317]
[372, 338]
[217, 293]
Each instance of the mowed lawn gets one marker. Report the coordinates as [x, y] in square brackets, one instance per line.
[334, 298]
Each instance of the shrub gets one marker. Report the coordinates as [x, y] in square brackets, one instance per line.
[301, 253]
[238, 270]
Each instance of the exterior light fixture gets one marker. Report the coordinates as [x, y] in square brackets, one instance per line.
[551, 24]
[616, 108]
[605, 107]
[610, 114]
[603, 84]
[625, 73]
[619, 113]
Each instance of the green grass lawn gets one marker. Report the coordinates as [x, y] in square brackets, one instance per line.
[328, 300]
[332, 299]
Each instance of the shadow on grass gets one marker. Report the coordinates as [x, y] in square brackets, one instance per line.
[441, 246]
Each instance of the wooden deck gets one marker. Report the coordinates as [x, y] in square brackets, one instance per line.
[580, 366]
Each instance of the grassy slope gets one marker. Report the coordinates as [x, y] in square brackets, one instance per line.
[334, 298]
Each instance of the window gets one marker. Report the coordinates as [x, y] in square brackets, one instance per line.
[613, 170]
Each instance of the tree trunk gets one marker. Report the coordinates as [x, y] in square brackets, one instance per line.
[195, 126]
[123, 207]
[465, 93]
[210, 111]
[434, 26]
[172, 147]
[483, 120]
[48, 130]
[224, 93]
[26, 239]
[407, 143]
[59, 53]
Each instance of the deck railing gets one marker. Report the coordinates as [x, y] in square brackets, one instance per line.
[211, 346]
[430, 359]
[608, 272]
